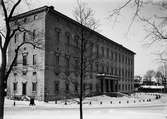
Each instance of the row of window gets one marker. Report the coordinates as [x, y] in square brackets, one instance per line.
[34, 86]
[68, 38]
[98, 68]
[25, 36]
[105, 52]
[113, 70]
[25, 59]
[76, 87]
[27, 19]
[113, 55]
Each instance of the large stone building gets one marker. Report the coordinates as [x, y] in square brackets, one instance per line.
[53, 71]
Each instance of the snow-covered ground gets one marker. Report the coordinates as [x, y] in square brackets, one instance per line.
[98, 107]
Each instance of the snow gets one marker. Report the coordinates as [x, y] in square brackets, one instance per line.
[87, 115]
[152, 87]
[156, 109]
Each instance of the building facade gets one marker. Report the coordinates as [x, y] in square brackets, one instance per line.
[53, 70]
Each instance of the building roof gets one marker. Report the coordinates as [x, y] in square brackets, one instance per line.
[51, 9]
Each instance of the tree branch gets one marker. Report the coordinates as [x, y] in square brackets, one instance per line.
[117, 11]
[2, 34]
[13, 9]
[4, 9]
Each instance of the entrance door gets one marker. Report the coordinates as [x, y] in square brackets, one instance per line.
[24, 86]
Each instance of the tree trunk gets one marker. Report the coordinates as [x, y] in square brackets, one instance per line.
[81, 73]
[1, 96]
[80, 109]
[2, 83]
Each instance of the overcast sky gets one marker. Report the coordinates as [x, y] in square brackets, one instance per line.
[116, 31]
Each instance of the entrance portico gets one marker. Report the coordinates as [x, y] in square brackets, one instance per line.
[108, 83]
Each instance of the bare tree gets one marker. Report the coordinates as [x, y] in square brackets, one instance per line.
[149, 75]
[85, 16]
[155, 23]
[82, 13]
[5, 40]
[159, 77]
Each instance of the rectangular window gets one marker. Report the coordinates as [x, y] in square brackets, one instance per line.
[107, 52]
[15, 86]
[119, 57]
[24, 60]
[107, 67]
[90, 87]
[111, 55]
[67, 87]
[34, 34]
[34, 86]
[57, 34]
[122, 86]
[115, 56]
[56, 86]
[24, 36]
[91, 48]
[57, 59]
[76, 86]
[97, 67]
[76, 64]
[67, 63]
[123, 72]
[34, 59]
[122, 58]
[111, 70]
[102, 68]
[102, 50]
[97, 50]
[76, 40]
[68, 40]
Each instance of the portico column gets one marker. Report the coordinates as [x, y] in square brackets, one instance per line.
[109, 85]
[104, 85]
